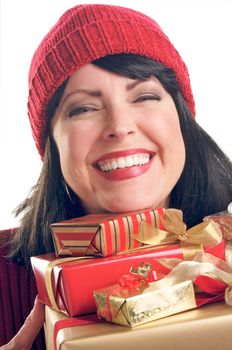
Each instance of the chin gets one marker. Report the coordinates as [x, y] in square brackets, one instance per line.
[136, 205]
[128, 207]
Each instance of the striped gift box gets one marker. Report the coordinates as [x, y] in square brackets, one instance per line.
[105, 234]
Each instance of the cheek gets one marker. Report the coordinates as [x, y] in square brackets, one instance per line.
[174, 149]
[164, 129]
[173, 145]
[73, 147]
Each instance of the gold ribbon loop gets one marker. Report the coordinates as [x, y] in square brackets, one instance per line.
[228, 254]
[205, 233]
[173, 222]
[228, 296]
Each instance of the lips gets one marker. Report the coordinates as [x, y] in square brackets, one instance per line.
[124, 164]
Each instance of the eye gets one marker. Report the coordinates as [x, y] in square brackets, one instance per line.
[147, 97]
[81, 110]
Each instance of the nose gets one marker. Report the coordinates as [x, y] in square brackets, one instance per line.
[120, 124]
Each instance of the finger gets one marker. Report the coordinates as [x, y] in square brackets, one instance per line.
[32, 325]
[24, 338]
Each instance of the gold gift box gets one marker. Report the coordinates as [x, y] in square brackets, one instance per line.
[132, 307]
[207, 328]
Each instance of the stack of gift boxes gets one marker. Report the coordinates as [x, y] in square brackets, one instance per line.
[135, 270]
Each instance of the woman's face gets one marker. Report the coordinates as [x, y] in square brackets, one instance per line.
[119, 140]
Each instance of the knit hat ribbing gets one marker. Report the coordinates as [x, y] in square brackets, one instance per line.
[85, 33]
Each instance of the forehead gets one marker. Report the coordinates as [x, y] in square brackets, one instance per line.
[93, 77]
[93, 74]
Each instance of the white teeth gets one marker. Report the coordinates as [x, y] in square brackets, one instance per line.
[129, 162]
[121, 163]
[136, 160]
[124, 162]
[114, 165]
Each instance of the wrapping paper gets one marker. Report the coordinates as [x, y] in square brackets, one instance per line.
[135, 300]
[134, 306]
[68, 286]
[224, 220]
[107, 234]
[208, 328]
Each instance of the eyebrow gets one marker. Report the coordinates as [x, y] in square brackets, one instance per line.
[94, 93]
[135, 83]
[98, 93]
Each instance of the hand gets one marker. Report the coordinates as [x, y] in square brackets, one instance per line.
[23, 340]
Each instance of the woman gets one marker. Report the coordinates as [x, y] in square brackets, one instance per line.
[112, 114]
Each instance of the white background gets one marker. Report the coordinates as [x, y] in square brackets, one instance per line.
[201, 30]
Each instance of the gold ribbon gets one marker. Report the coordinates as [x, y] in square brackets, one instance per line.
[48, 277]
[228, 254]
[203, 265]
[143, 269]
[192, 240]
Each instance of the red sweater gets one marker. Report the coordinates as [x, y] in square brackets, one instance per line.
[17, 294]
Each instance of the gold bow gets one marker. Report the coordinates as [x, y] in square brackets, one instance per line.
[192, 240]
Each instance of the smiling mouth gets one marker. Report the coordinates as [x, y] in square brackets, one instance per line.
[129, 161]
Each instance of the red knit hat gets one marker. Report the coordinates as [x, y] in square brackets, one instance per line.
[85, 33]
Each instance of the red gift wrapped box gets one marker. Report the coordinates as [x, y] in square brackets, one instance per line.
[108, 234]
[73, 282]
